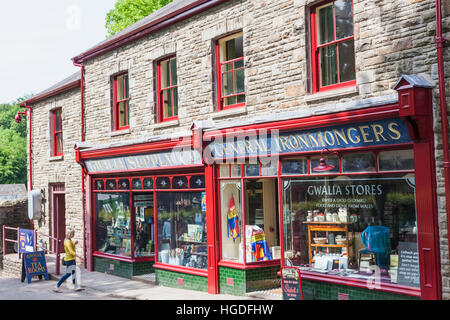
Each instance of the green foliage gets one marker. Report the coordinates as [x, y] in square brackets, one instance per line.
[13, 142]
[127, 12]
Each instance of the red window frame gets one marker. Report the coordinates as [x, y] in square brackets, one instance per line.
[57, 133]
[170, 88]
[125, 100]
[315, 51]
[219, 66]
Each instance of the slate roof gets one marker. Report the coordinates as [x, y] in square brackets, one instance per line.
[13, 191]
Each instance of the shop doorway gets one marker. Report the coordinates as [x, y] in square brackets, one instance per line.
[261, 216]
[144, 235]
[58, 214]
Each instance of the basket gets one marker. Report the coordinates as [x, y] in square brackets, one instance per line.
[320, 240]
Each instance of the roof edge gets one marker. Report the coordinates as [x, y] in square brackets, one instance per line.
[165, 21]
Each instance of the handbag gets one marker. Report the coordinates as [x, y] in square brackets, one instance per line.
[62, 261]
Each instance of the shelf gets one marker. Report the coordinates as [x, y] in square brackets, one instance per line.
[196, 242]
[199, 254]
[329, 245]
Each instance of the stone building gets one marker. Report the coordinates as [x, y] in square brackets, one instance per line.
[355, 82]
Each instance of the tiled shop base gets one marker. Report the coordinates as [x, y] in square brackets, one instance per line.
[239, 282]
[181, 280]
[122, 269]
[316, 290]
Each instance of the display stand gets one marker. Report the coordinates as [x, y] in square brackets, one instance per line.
[315, 227]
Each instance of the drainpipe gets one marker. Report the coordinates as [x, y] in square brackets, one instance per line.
[443, 105]
[29, 112]
[83, 188]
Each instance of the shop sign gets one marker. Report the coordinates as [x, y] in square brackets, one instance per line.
[366, 134]
[34, 264]
[291, 283]
[174, 158]
[26, 240]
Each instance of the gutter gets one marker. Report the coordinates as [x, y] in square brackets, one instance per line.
[443, 107]
[153, 26]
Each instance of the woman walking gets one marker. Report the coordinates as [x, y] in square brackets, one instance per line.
[70, 261]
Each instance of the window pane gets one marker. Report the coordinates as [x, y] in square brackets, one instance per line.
[58, 122]
[165, 76]
[239, 81]
[148, 183]
[359, 162]
[238, 47]
[231, 221]
[325, 24]
[111, 185]
[137, 184]
[173, 72]
[396, 160]
[99, 185]
[112, 225]
[294, 166]
[347, 61]
[380, 214]
[270, 168]
[124, 184]
[227, 84]
[175, 101]
[251, 170]
[344, 18]
[181, 230]
[197, 182]
[144, 234]
[180, 183]
[123, 114]
[163, 183]
[328, 67]
[224, 171]
[235, 170]
[127, 87]
[59, 143]
[120, 88]
[333, 160]
[167, 104]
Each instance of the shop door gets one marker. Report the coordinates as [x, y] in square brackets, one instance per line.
[144, 241]
[58, 202]
[261, 216]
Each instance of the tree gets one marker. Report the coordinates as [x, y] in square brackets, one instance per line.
[13, 142]
[127, 12]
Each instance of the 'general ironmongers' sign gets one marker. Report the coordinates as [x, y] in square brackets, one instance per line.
[174, 158]
[365, 134]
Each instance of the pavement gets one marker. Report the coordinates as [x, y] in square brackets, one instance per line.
[101, 286]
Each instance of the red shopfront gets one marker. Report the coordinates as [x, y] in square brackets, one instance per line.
[348, 198]
[146, 211]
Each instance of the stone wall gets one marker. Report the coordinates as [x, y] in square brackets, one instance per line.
[48, 170]
[13, 214]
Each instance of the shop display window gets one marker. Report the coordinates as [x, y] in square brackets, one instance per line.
[113, 223]
[294, 166]
[354, 227]
[181, 230]
[231, 220]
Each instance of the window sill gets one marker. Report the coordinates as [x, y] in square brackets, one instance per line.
[56, 158]
[166, 124]
[332, 94]
[229, 112]
[119, 132]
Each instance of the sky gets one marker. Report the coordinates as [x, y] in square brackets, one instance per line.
[38, 38]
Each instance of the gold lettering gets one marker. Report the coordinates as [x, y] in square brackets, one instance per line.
[318, 142]
[341, 135]
[216, 151]
[364, 133]
[397, 135]
[378, 131]
[283, 141]
[301, 139]
[260, 145]
[293, 142]
[278, 144]
[350, 136]
[240, 147]
[330, 134]
[248, 146]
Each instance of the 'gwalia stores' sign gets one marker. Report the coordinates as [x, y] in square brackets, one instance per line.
[376, 133]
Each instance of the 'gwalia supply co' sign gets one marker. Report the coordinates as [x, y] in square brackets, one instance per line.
[376, 133]
[174, 158]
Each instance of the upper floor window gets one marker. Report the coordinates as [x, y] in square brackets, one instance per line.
[121, 102]
[230, 72]
[167, 89]
[333, 56]
[56, 132]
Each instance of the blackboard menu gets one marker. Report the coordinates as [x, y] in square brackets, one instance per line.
[291, 282]
[408, 264]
